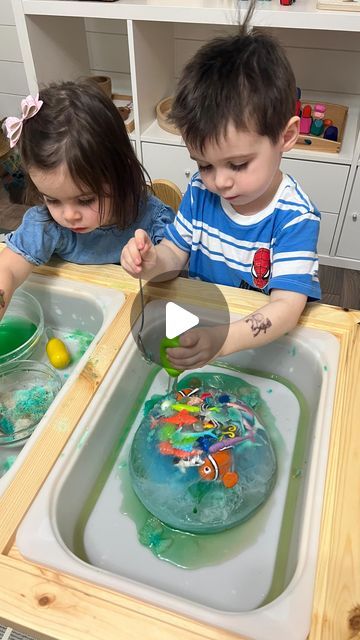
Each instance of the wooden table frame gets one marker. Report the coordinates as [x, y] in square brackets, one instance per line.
[53, 605]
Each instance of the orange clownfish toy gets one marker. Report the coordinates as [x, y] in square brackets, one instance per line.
[218, 466]
[186, 393]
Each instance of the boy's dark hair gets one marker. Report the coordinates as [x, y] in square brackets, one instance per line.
[245, 79]
[79, 126]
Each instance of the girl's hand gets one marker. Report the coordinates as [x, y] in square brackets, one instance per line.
[2, 303]
[138, 255]
[198, 346]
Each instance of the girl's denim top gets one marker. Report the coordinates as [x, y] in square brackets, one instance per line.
[39, 236]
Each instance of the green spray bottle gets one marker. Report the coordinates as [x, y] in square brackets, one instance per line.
[164, 360]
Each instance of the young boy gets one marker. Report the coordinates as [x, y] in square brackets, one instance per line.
[241, 222]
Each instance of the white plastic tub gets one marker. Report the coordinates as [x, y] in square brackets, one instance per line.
[264, 591]
[77, 312]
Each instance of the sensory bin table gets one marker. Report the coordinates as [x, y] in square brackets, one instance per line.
[78, 313]
[51, 603]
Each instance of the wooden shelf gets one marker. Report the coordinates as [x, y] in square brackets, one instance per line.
[301, 15]
[155, 134]
[346, 153]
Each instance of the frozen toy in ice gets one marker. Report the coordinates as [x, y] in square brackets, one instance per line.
[201, 461]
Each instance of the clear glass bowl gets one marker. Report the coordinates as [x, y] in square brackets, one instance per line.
[21, 327]
[27, 389]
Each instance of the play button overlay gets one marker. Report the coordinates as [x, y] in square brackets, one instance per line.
[178, 320]
[196, 305]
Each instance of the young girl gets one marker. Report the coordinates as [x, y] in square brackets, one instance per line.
[83, 170]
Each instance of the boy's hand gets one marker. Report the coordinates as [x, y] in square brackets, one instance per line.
[198, 346]
[139, 254]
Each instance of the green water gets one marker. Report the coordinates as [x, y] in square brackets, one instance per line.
[82, 339]
[186, 550]
[192, 551]
[14, 331]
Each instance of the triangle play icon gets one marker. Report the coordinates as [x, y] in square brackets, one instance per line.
[178, 320]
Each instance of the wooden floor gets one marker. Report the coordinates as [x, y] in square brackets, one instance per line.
[340, 287]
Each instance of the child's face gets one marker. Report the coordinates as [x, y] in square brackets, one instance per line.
[69, 205]
[243, 168]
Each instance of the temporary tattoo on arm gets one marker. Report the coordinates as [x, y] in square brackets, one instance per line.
[2, 301]
[258, 323]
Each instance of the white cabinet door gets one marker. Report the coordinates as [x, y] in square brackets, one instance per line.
[327, 229]
[323, 182]
[169, 162]
[349, 242]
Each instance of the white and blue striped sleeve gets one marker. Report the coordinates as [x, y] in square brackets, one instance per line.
[180, 232]
[294, 255]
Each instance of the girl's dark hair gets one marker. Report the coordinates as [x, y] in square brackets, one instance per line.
[244, 79]
[79, 126]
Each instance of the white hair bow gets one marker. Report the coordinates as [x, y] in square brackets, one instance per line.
[13, 126]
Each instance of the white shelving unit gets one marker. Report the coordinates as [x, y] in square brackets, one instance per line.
[302, 15]
[323, 48]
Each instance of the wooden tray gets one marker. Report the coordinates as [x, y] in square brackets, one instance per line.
[122, 100]
[163, 109]
[335, 112]
[339, 5]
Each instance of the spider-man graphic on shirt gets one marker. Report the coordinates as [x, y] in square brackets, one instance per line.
[260, 270]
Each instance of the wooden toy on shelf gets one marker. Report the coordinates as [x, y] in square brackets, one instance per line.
[331, 133]
[298, 102]
[317, 127]
[336, 114]
[305, 120]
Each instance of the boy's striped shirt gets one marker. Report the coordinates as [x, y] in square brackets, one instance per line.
[273, 249]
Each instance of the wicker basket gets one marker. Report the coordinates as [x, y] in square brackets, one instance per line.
[163, 109]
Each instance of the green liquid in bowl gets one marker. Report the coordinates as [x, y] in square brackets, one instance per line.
[14, 332]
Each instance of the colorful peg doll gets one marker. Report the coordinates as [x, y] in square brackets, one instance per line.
[305, 120]
[331, 133]
[317, 126]
[298, 102]
[319, 112]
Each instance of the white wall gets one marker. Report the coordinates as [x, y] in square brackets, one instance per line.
[321, 60]
[108, 55]
[109, 51]
[13, 84]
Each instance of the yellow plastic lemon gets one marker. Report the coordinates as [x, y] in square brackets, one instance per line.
[58, 353]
